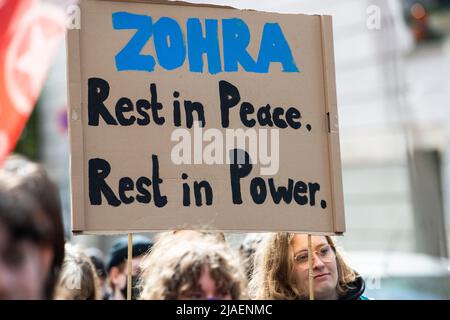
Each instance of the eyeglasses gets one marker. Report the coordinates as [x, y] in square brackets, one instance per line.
[325, 253]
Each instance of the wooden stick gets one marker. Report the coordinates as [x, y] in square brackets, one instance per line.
[310, 269]
[129, 265]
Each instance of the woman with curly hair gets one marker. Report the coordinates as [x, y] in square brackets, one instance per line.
[78, 279]
[191, 266]
[281, 270]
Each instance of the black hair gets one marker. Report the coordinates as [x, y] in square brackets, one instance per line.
[30, 208]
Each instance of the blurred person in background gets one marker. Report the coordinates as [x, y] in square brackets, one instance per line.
[116, 266]
[98, 261]
[282, 272]
[187, 266]
[247, 251]
[31, 231]
[78, 279]
[187, 234]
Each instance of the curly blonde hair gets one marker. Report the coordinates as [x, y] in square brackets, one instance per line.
[78, 279]
[175, 263]
[273, 277]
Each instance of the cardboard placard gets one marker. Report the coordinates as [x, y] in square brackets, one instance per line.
[158, 89]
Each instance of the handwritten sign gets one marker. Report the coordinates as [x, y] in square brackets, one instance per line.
[197, 116]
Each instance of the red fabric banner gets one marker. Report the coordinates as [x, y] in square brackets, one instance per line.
[30, 32]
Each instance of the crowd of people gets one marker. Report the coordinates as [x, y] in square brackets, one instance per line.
[36, 261]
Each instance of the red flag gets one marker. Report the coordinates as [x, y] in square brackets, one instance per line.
[30, 32]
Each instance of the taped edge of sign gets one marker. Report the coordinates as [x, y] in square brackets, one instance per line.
[75, 117]
[326, 27]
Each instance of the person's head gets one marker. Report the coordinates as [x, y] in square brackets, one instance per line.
[31, 231]
[247, 251]
[78, 279]
[116, 265]
[281, 270]
[98, 261]
[197, 267]
[188, 233]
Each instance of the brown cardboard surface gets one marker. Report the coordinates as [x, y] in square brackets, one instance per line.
[333, 125]
[309, 156]
[75, 129]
